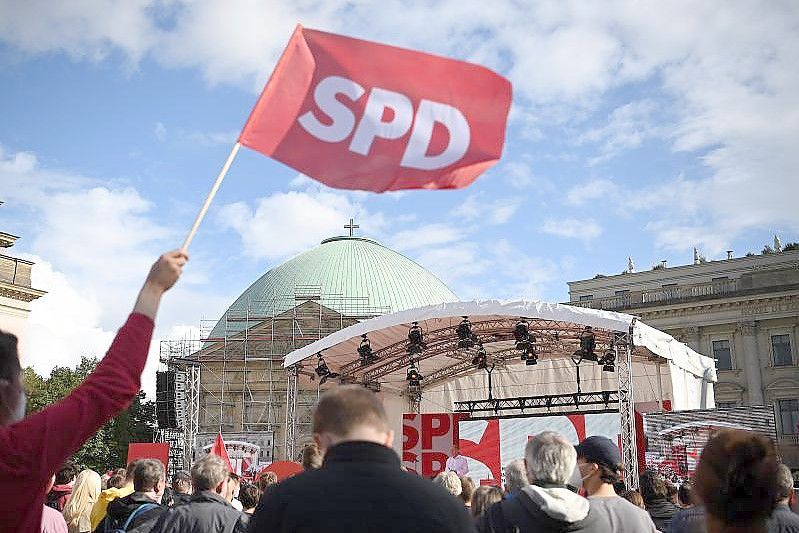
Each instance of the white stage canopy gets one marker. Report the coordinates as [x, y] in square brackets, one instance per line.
[662, 367]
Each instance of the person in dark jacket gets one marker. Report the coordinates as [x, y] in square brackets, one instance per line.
[783, 520]
[360, 486]
[149, 482]
[547, 505]
[207, 511]
[656, 498]
[181, 488]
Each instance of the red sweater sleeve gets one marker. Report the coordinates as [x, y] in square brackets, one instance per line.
[39, 444]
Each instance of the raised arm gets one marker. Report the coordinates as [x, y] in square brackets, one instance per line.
[41, 442]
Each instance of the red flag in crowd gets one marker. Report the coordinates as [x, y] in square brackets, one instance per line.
[219, 449]
[355, 114]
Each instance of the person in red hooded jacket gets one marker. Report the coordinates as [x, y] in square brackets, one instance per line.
[33, 447]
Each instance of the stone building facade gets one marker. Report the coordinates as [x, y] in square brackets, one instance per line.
[16, 293]
[744, 312]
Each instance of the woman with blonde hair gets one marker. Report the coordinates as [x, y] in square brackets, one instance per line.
[84, 494]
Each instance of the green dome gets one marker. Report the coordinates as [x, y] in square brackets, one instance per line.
[354, 276]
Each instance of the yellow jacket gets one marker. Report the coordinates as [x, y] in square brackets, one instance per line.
[106, 497]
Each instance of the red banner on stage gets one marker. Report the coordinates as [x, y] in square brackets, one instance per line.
[355, 114]
[149, 450]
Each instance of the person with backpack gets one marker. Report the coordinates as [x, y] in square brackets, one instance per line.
[138, 512]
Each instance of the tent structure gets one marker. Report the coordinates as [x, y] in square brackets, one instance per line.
[494, 358]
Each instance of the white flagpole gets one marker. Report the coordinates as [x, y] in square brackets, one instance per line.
[210, 197]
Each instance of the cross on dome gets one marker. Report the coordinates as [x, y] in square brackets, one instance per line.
[352, 226]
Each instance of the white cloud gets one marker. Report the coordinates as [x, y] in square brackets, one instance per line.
[594, 189]
[160, 131]
[627, 127]
[283, 224]
[572, 228]
[494, 212]
[428, 235]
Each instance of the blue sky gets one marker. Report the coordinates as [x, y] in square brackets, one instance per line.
[637, 129]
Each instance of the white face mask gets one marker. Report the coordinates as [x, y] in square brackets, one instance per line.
[19, 412]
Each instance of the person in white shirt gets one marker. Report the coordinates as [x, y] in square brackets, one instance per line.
[457, 463]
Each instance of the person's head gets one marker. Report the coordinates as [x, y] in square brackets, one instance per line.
[210, 473]
[549, 458]
[634, 497]
[653, 488]
[350, 413]
[12, 394]
[672, 493]
[115, 482]
[234, 482]
[149, 477]
[467, 489]
[515, 477]
[784, 484]
[484, 497]
[599, 462]
[311, 457]
[454, 451]
[735, 480]
[266, 479]
[450, 481]
[181, 482]
[249, 495]
[129, 473]
[66, 474]
[84, 495]
[684, 494]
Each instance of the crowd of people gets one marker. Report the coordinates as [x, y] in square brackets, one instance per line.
[353, 480]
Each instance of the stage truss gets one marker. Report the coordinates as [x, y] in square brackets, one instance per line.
[554, 339]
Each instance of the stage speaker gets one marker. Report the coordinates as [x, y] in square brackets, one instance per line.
[165, 398]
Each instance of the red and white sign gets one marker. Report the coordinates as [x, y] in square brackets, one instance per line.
[356, 114]
[427, 440]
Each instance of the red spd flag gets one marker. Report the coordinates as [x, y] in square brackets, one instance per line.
[355, 114]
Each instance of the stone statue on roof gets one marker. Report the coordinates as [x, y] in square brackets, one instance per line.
[777, 244]
[630, 265]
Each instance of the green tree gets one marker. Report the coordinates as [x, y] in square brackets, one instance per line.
[108, 447]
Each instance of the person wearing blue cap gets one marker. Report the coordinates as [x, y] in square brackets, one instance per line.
[599, 463]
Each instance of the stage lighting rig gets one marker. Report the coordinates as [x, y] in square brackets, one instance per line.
[323, 371]
[416, 343]
[480, 360]
[587, 345]
[414, 377]
[608, 361]
[522, 335]
[466, 339]
[365, 351]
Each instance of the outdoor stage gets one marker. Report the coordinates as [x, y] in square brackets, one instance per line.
[499, 360]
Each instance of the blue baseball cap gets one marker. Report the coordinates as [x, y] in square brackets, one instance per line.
[599, 450]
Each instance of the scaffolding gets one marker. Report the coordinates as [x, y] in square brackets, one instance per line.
[232, 376]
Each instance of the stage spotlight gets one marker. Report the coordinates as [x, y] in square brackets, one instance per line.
[480, 359]
[588, 344]
[530, 355]
[365, 351]
[608, 361]
[323, 371]
[466, 339]
[413, 377]
[522, 335]
[415, 340]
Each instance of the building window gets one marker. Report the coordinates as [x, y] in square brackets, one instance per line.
[586, 298]
[789, 416]
[722, 355]
[726, 405]
[623, 292]
[781, 348]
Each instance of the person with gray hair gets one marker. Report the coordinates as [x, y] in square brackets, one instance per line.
[783, 520]
[515, 478]
[450, 481]
[207, 509]
[547, 505]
